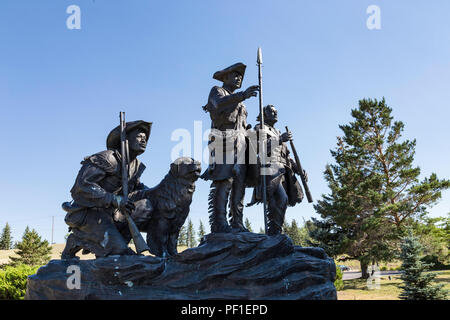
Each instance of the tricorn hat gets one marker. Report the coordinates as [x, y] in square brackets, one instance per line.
[238, 67]
[113, 139]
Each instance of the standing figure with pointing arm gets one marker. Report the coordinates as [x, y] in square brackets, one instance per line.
[283, 189]
[227, 169]
[97, 214]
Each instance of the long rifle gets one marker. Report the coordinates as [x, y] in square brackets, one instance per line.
[139, 242]
[300, 169]
[262, 149]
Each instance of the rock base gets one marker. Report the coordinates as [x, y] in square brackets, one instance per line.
[224, 266]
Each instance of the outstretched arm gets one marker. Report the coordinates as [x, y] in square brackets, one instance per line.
[226, 103]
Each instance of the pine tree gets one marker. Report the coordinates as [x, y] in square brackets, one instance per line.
[417, 285]
[32, 250]
[293, 232]
[326, 235]
[261, 231]
[182, 237]
[201, 231]
[374, 187]
[191, 242]
[248, 225]
[6, 238]
[434, 237]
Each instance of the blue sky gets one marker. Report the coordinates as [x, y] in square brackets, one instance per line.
[61, 90]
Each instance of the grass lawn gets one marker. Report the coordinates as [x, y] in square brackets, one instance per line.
[389, 289]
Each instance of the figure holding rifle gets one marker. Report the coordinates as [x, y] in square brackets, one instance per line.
[282, 187]
[99, 215]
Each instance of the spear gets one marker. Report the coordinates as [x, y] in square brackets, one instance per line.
[262, 150]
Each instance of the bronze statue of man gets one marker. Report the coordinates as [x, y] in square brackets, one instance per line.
[283, 189]
[227, 169]
[95, 216]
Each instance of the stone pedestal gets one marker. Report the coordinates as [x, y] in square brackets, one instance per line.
[224, 266]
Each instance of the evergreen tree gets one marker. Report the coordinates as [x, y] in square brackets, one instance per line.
[191, 242]
[201, 231]
[248, 225]
[417, 285]
[326, 235]
[261, 231]
[294, 232]
[32, 250]
[374, 188]
[304, 234]
[434, 236]
[6, 238]
[182, 237]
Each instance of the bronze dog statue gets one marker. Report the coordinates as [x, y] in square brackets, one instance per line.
[166, 208]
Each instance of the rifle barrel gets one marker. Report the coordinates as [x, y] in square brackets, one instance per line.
[300, 169]
[139, 242]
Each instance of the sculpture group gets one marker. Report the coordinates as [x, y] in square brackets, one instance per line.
[111, 206]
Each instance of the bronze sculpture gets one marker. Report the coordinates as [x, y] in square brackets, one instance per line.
[95, 216]
[228, 263]
[166, 207]
[227, 169]
[283, 189]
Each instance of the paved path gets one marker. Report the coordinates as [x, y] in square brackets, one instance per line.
[349, 275]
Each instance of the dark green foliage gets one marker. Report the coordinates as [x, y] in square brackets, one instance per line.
[32, 250]
[182, 237]
[338, 283]
[6, 238]
[13, 281]
[293, 232]
[261, 231]
[374, 188]
[201, 231]
[298, 235]
[417, 285]
[191, 241]
[434, 236]
[434, 262]
[325, 234]
[248, 225]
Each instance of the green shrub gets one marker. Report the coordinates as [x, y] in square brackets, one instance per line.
[13, 281]
[434, 262]
[383, 268]
[339, 283]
